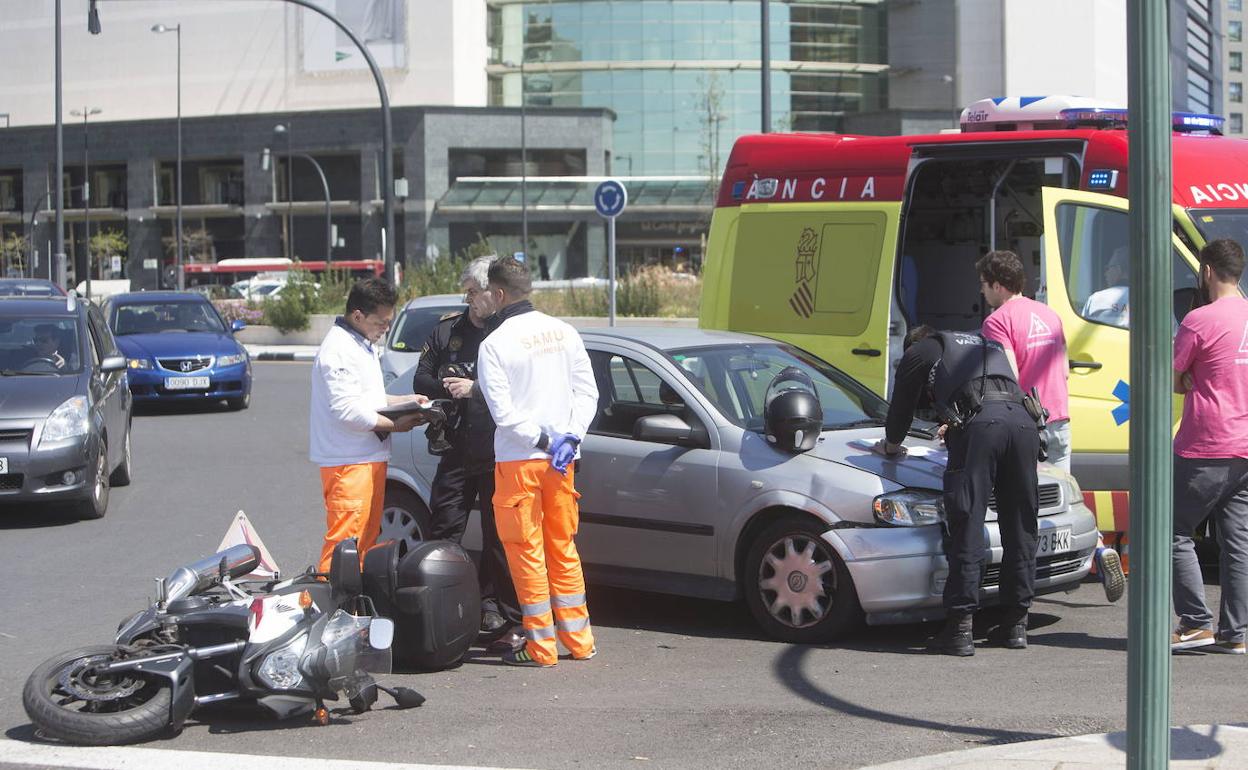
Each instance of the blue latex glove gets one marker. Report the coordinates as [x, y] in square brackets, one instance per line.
[562, 451]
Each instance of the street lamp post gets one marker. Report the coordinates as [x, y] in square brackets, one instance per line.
[266, 163]
[524, 165]
[387, 133]
[765, 64]
[84, 113]
[177, 28]
[60, 158]
[283, 129]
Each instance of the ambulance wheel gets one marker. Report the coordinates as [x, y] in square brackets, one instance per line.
[796, 585]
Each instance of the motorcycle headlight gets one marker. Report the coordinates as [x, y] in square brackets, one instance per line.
[909, 508]
[280, 668]
[67, 421]
[139, 363]
[232, 360]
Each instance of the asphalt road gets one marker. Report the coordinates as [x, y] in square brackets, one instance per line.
[677, 683]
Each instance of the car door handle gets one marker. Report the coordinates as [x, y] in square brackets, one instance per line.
[1094, 365]
[869, 352]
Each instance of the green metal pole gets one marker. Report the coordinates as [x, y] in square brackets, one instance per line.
[1149, 190]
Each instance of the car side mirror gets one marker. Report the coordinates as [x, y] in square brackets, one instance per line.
[1184, 300]
[113, 364]
[237, 325]
[664, 429]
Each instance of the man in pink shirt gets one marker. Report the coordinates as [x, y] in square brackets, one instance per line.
[1211, 453]
[1036, 345]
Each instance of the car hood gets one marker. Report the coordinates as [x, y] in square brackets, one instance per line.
[923, 466]
[177, 344]
[34, 397]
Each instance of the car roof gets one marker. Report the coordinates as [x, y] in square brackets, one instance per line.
[37, 284]
[157, 296]
[435, 300]
[673, 337]
[33, 305]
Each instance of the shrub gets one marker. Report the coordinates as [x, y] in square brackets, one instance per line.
[289, 311]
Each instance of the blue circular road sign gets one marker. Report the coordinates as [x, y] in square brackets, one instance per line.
[610, 198]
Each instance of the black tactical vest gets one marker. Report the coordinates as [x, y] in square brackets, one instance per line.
[955, 379]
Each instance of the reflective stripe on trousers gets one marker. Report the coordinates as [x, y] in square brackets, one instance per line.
[536, 514]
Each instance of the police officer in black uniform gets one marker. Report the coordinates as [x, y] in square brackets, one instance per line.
[465, 474]
[993, 444]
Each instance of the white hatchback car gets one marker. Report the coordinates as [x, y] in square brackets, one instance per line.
[411, 328]
[681, 493]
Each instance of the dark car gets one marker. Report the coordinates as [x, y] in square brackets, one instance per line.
[65, 425]
[179, 349]
[29, 287]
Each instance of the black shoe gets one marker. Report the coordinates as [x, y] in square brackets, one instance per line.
[1012, 636]
[955, 638]
[508, 641]
[492, 624]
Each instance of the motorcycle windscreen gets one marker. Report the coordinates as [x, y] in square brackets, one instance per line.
[356, 645]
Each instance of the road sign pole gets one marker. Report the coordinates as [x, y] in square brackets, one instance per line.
[611, 271]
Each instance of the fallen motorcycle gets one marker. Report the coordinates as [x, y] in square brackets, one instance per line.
[287, 646]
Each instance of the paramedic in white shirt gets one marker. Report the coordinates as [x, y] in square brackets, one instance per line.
[347, 391]
[1112, 305]
[537, 381]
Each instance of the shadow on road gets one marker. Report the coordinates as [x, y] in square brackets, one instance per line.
[37, 516]
[158, 408]
[788, 670]
[622, 608]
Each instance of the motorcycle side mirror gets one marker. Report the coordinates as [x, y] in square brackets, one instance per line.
[381, 633]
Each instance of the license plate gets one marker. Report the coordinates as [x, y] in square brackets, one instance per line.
[186, 383]
[1053, 541]
[4, 465]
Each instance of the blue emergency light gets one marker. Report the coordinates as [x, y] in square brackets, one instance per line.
[1181, 122]
[1103, 179]
[1198, 122]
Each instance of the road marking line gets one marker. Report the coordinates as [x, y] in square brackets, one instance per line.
[128, 758]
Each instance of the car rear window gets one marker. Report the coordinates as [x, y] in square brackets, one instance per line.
[40, 346]
[414, 326]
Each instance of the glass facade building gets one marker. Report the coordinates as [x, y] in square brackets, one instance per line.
[683, 76]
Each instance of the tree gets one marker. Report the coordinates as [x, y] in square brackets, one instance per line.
[105, 244]
[13, 250]
[197, 246]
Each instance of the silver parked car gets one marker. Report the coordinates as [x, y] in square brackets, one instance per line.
[681, 492]
[411, 328]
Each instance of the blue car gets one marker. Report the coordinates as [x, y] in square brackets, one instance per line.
[178, 349]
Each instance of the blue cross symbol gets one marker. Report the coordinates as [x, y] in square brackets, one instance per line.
[1122, 412]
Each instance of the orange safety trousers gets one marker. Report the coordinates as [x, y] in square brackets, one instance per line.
[536, 513]
[353, 502]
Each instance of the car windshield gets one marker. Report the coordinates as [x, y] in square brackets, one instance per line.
[735, 379]
[29, 289]
[39, 346]
[1223, 223]
[414, 326]
[157, 317]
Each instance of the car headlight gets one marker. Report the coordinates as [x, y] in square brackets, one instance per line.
[238, 358]
[280, 669]
[67, 421]
[1076, 494]
[139, 363]
[909, 508]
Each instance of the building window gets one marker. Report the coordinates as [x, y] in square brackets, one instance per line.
[1235, 92]
[1235, 31]
[1199, 92]
[1235, 60]
[1234, 5]
[1237, 123]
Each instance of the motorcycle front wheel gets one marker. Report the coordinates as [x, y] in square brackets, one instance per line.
[67, 699]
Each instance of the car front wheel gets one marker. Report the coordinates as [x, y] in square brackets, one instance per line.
[796, 585]
[96, 504]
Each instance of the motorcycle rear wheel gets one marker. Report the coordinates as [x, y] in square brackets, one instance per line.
[121, 708]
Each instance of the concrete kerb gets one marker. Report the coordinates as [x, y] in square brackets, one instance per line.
[1191, 747]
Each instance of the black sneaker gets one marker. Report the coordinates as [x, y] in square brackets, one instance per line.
[521, 657]
[955, 638]
[510, 640]
[492, 624]
[1012, 636]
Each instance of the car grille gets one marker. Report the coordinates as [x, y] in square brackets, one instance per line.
[15, 434]
[185, 365]
[10, 482]
[1050, 497]
[1046, 567]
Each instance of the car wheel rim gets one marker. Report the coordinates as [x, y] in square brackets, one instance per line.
[797, 581]
[101, 476]
[399, 524]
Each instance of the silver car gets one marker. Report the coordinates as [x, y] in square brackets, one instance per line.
[682, 494]
[411, 327]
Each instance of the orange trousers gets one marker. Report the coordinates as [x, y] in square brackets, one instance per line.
[353, 501]
[536, 513]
